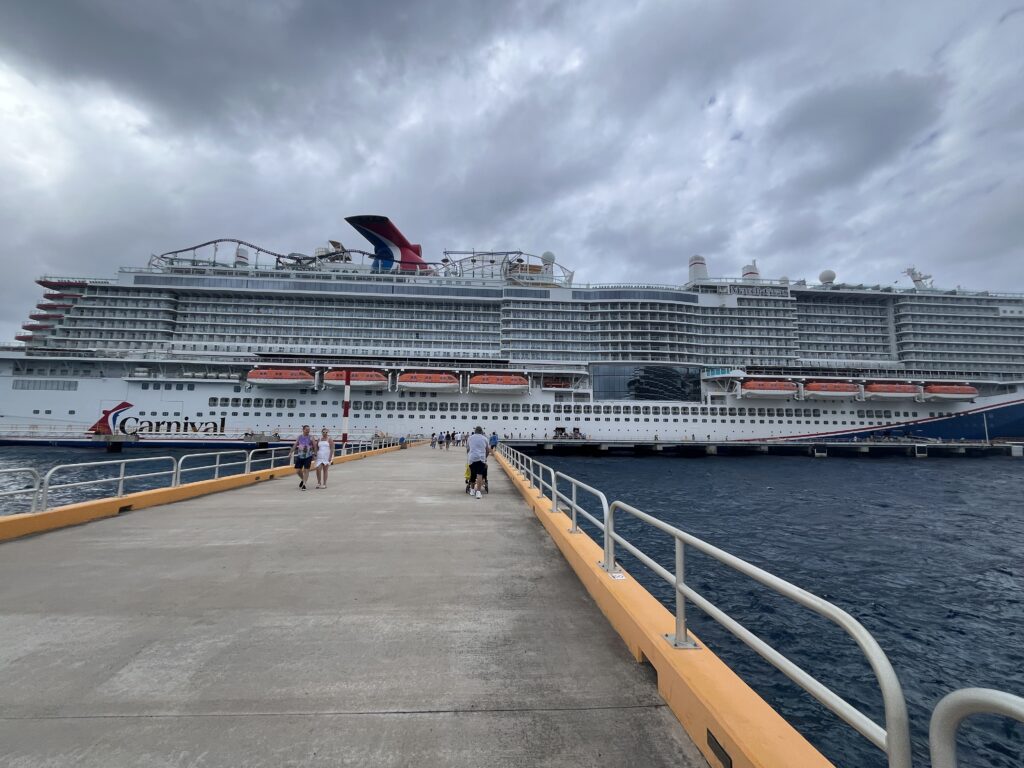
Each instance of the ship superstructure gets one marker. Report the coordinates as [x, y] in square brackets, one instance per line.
[215, 347]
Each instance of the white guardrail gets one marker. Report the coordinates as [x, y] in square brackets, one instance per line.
[118, 472]
[893, 739]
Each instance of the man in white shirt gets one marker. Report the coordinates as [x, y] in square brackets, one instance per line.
[477, 451]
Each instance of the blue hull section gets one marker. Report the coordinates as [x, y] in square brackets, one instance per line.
[1003, 422]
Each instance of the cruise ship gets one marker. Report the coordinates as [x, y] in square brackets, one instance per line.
[226, 342]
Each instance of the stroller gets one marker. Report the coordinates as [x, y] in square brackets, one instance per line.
[468, 474]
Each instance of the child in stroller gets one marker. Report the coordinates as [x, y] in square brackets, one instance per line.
[470, 480]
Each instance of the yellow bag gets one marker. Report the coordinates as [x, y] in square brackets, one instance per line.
[467, 473]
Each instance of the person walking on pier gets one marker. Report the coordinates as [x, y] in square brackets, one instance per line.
[324, 457]
[477, 450]
[303, 452]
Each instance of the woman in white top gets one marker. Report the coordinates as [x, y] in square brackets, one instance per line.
[324, 457]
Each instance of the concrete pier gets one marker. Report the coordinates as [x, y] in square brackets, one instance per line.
[390, 620]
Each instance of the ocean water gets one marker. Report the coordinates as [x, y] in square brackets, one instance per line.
[927, 554]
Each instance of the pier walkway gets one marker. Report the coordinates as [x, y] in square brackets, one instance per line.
[389, 621]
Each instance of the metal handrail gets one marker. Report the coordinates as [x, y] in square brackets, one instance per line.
[33, 490]
[217, 464]
[273, 454]
[41, 489]
[894, 739]
[954, 707]
[48, 486]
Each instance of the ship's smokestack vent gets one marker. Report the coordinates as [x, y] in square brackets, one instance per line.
[698, 269]
[751, 272]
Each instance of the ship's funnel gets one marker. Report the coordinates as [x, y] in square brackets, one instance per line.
[241, 257]
[389, 244]
[751, 272]
[698, 269]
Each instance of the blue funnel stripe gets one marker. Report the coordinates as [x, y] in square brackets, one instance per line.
[382, 249]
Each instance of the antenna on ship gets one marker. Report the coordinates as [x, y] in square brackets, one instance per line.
[920, 279]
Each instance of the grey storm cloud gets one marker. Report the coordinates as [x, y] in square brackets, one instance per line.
[622, 136]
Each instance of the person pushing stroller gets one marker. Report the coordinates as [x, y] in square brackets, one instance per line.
[477, 451]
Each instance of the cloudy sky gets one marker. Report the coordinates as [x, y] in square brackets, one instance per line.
[623, 136]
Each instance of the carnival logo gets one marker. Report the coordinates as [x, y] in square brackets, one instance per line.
[107, 423]
[111, 422]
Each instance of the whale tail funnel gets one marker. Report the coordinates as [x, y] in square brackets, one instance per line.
[389, 244]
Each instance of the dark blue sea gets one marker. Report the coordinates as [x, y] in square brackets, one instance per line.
[927, 554]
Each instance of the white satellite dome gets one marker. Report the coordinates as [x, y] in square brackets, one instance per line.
[547, 257]
[827, 277]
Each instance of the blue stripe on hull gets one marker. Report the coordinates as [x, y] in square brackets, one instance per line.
[1004, 422]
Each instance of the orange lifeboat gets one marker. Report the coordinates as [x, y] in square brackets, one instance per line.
[280, 377]
[891, 391]
[825, 390]
[768, 389]
[499, 384]
[358, 380]
[429, 382]
[949, 392]
[555, 383]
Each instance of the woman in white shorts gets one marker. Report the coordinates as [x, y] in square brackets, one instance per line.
[324, 457]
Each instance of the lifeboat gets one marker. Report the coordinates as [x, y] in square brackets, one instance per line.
[891, 391]
[768, 389]
[60, 285]
[37, 326]
[824, 390]
[59, 296]
[280, 377]
[499, 384]
[555, 383]
[46, 307]
[45, 316]
[949, 392]
[24, 336]
[358, 380]
[429, 382]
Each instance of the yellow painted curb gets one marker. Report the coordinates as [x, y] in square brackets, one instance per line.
[706, 696]
[16, 526]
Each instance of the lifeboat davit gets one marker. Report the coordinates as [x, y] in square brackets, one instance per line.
[358, 380]
[825, 390]
[891, 391]
[768, 388]
[499, 384]
[949, 392]
[280, 377]
[429, 382]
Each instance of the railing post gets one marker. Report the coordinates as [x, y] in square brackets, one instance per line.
[554, 491]
[609, 537]
[216, 466]
[120, 481]
[681, 639]
[954, 707]
[575, 528]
